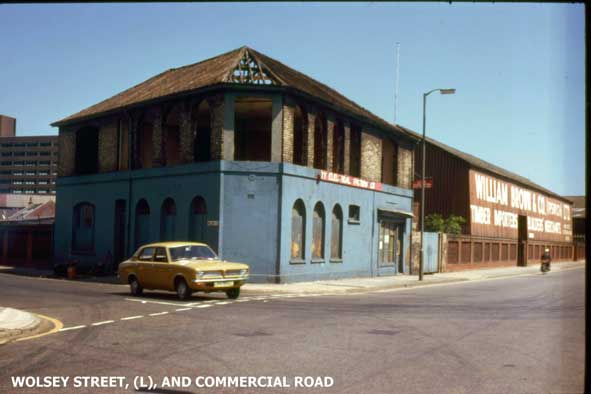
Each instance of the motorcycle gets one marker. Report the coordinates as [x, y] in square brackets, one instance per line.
[545, 267]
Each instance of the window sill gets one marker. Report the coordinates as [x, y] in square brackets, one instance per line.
[297, 261]
[351, 221]
[318, 261]
[336, 261]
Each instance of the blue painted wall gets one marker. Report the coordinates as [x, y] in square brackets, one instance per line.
[249, 208]
[360, 240]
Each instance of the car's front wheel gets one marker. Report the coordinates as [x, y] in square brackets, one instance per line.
[135, 288]
[182, 290]
[233, 293]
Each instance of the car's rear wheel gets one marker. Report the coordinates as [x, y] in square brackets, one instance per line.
[135, 287]
[233, 293]
[182, 290]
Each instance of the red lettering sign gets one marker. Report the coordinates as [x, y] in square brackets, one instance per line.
[348, 180]
[417, 184]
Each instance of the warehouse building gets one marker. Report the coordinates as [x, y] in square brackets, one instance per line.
[509, 219]
[265, 164]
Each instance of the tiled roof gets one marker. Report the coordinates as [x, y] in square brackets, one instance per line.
[217, 71]
[484, 165]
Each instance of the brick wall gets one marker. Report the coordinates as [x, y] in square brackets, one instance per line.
[157, 139]
[288, 118]
[185, 135]
[371, 157]
[330, 125]
[347, 151]
[310, 138]
[405, 167]
[216, 103]
[67, 152]
[107, 147]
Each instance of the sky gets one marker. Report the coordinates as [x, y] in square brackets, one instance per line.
[518, 68]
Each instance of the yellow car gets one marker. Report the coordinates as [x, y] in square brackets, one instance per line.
[184, 267]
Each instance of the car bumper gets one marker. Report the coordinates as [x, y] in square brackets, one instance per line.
[216, 284]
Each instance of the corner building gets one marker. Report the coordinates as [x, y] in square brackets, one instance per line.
[263, 163]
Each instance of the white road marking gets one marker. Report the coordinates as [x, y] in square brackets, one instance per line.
[100, 323]
[223, 303]
[158, 314]
[182, 309]
[72, 328]
[203, 306]
[157, 302]
[132, 317]
[242, 300]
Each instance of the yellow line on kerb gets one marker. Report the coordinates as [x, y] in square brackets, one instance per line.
[57, 325]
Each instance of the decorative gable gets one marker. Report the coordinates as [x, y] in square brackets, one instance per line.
[250, 71]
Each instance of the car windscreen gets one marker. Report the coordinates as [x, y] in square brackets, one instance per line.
[192, 252]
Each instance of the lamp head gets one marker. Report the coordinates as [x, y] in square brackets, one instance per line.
[447, 91]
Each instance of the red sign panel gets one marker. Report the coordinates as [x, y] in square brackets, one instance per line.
[417, 184]
[348, 180]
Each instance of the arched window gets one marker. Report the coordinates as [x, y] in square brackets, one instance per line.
[320, 142]
[142, 223]
[87, 150]
[198, 220]
[336, 236]
[172, 137]
[318, 232]
[202, 141]
[338, 153]
[167, 220]
[300, 128]
[83, 228]
[298, 230]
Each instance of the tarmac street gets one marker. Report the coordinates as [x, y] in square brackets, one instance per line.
[519, 334]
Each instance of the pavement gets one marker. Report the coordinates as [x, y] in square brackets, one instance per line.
[16, 324]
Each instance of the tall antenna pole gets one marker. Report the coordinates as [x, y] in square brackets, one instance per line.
[397, 79]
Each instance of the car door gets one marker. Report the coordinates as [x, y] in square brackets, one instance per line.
[145, 262]
[162, 270]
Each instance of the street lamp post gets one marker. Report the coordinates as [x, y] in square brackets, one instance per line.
[423, 157]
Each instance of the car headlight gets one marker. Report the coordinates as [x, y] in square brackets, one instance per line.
[200, 274]
[243, 272]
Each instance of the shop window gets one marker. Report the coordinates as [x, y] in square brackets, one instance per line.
[86, 151]
[354, 214]
[167, 220]
[202, 141]
[300, 130]
[198, 220]
[389, 162]
[336, 236]
[83, 228]
[320, 142]
[142, 223]
[318, 225]
[145, 150]
[252, 128]
[298, 231]
[172, 137]
[338, 152]
[355, 151]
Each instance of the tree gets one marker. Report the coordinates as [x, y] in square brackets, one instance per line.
[436, 223]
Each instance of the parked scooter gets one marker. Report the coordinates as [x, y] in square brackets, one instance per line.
[546, 260]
